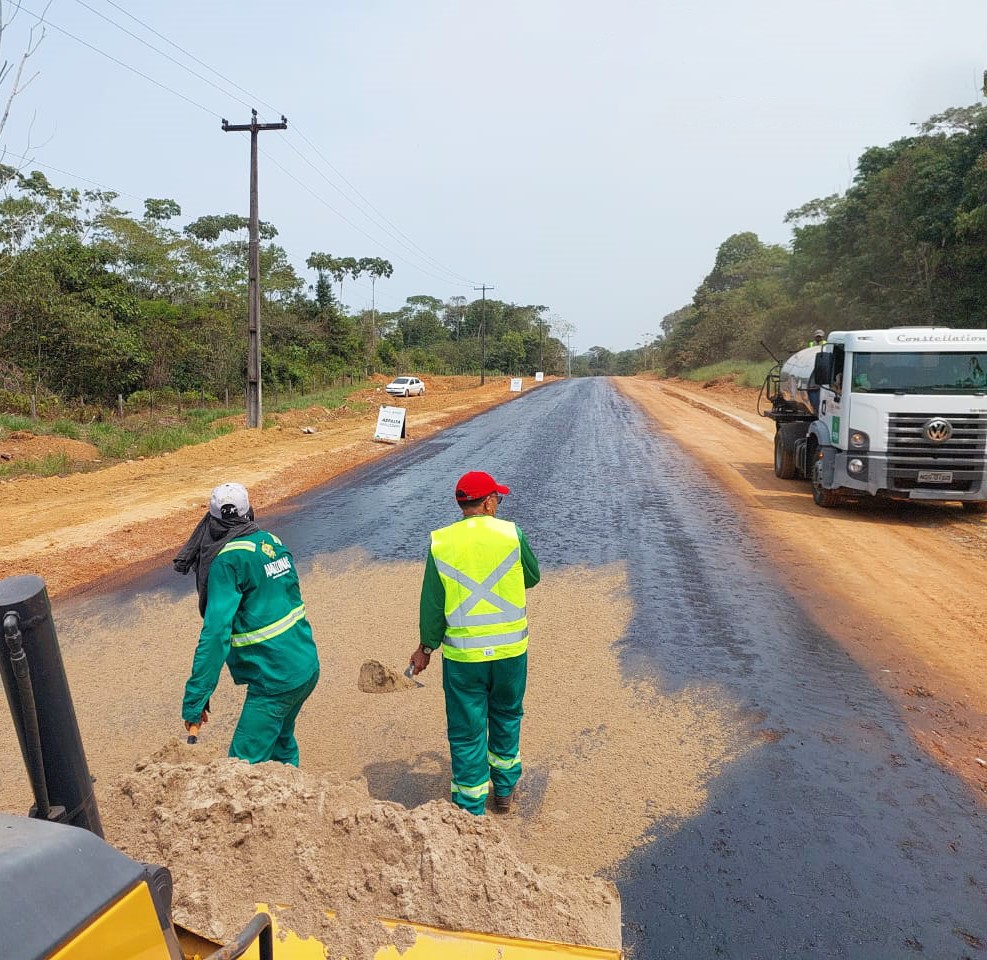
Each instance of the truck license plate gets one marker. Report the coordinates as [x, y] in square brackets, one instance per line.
[935, 476]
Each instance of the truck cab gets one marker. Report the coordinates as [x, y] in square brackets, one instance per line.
[900, 413]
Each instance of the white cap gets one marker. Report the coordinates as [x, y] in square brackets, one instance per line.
[229, 494]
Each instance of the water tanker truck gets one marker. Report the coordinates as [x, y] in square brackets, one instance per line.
[898, 413]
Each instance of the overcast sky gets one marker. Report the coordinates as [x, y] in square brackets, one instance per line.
[586, 156]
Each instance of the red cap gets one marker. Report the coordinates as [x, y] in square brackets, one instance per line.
[476, 485]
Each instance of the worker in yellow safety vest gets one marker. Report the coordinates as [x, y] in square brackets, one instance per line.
[473, 606]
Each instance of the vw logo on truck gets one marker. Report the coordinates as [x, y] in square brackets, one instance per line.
[937, 430]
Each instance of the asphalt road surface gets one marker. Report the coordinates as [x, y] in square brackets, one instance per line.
[836, 837]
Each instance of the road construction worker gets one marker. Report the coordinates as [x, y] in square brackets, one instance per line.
[254, 620]
[473, 606]
[818, 339]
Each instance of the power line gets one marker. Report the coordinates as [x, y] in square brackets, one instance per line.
[372, 207]
[191, 56]
[407, 245]
[379, 225]
[346, 219]
[167, 56]
[410, 244]
[67, 173]
[126, 66]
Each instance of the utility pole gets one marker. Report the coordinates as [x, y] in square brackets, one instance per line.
[255, 416]
[563, 329]
[483, 333]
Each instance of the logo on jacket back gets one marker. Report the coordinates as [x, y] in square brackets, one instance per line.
[277, 568]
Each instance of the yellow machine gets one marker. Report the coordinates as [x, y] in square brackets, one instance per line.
[66, 894]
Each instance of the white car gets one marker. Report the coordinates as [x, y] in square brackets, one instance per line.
[406, 387]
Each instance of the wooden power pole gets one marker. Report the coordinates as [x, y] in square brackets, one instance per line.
[483, 334]
[255, 413]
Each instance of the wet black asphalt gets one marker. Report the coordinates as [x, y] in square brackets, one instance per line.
[834, 836]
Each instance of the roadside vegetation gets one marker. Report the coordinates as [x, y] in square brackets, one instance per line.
[102, 308]
[145, 430]
[905, 245]
[743, 373]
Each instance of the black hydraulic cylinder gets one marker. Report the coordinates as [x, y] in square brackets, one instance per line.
[31, 645]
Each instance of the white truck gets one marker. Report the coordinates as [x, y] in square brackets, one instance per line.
[898, 413]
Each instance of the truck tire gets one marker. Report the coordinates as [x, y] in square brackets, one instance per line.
[785, 467]
[975, 506]
[820, 495]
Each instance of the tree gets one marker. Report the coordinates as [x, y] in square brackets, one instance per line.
[375, 268]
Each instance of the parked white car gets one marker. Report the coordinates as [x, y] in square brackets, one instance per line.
[406, 387]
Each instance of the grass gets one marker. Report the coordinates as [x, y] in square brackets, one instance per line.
[141, 435]
[330, 397]
[50, 465]
[745, 373]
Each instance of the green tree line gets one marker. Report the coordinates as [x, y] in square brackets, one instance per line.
[905, 244]
[96, 302]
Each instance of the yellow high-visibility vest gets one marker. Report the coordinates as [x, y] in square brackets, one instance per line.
[479, 563]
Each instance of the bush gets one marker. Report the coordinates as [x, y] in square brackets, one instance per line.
[744, 373]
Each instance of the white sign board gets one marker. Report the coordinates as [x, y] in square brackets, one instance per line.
[515, 384]
[390, 424]
[539, 377]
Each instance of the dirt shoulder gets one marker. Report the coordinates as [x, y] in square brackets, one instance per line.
[75, 530]
[899, 585]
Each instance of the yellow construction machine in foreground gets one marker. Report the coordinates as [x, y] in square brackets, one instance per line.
[69, 895]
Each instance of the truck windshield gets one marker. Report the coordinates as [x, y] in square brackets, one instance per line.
[951, 372]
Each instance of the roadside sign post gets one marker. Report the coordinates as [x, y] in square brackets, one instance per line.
[515, 384]
[391, 426]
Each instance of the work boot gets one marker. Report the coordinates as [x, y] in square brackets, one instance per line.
[503, 804]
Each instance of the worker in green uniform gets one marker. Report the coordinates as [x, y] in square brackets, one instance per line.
[473, 606]
[254, 620]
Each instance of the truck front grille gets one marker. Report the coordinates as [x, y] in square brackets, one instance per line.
[910, 453]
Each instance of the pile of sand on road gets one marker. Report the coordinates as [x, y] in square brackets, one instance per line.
[234, 835]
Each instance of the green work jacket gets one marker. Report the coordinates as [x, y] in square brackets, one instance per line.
[472, 600]
[254, 621]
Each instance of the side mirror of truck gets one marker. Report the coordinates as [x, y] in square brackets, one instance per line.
[823, 370]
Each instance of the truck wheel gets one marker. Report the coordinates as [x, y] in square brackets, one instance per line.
[784, 458]
[822, 496]
[975, 506]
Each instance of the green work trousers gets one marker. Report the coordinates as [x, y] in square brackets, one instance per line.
[266, 729]
[484, 705]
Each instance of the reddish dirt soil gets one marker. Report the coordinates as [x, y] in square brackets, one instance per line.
[899, 585]
[72, 530]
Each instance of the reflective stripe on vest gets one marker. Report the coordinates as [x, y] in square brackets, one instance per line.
[271, 630]
[460, 616]
[478, 560]
[247, 545]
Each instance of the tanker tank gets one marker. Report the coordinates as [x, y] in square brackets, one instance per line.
[796, 385]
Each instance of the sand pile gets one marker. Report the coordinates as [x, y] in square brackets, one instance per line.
[375, 677]
[234, 835]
